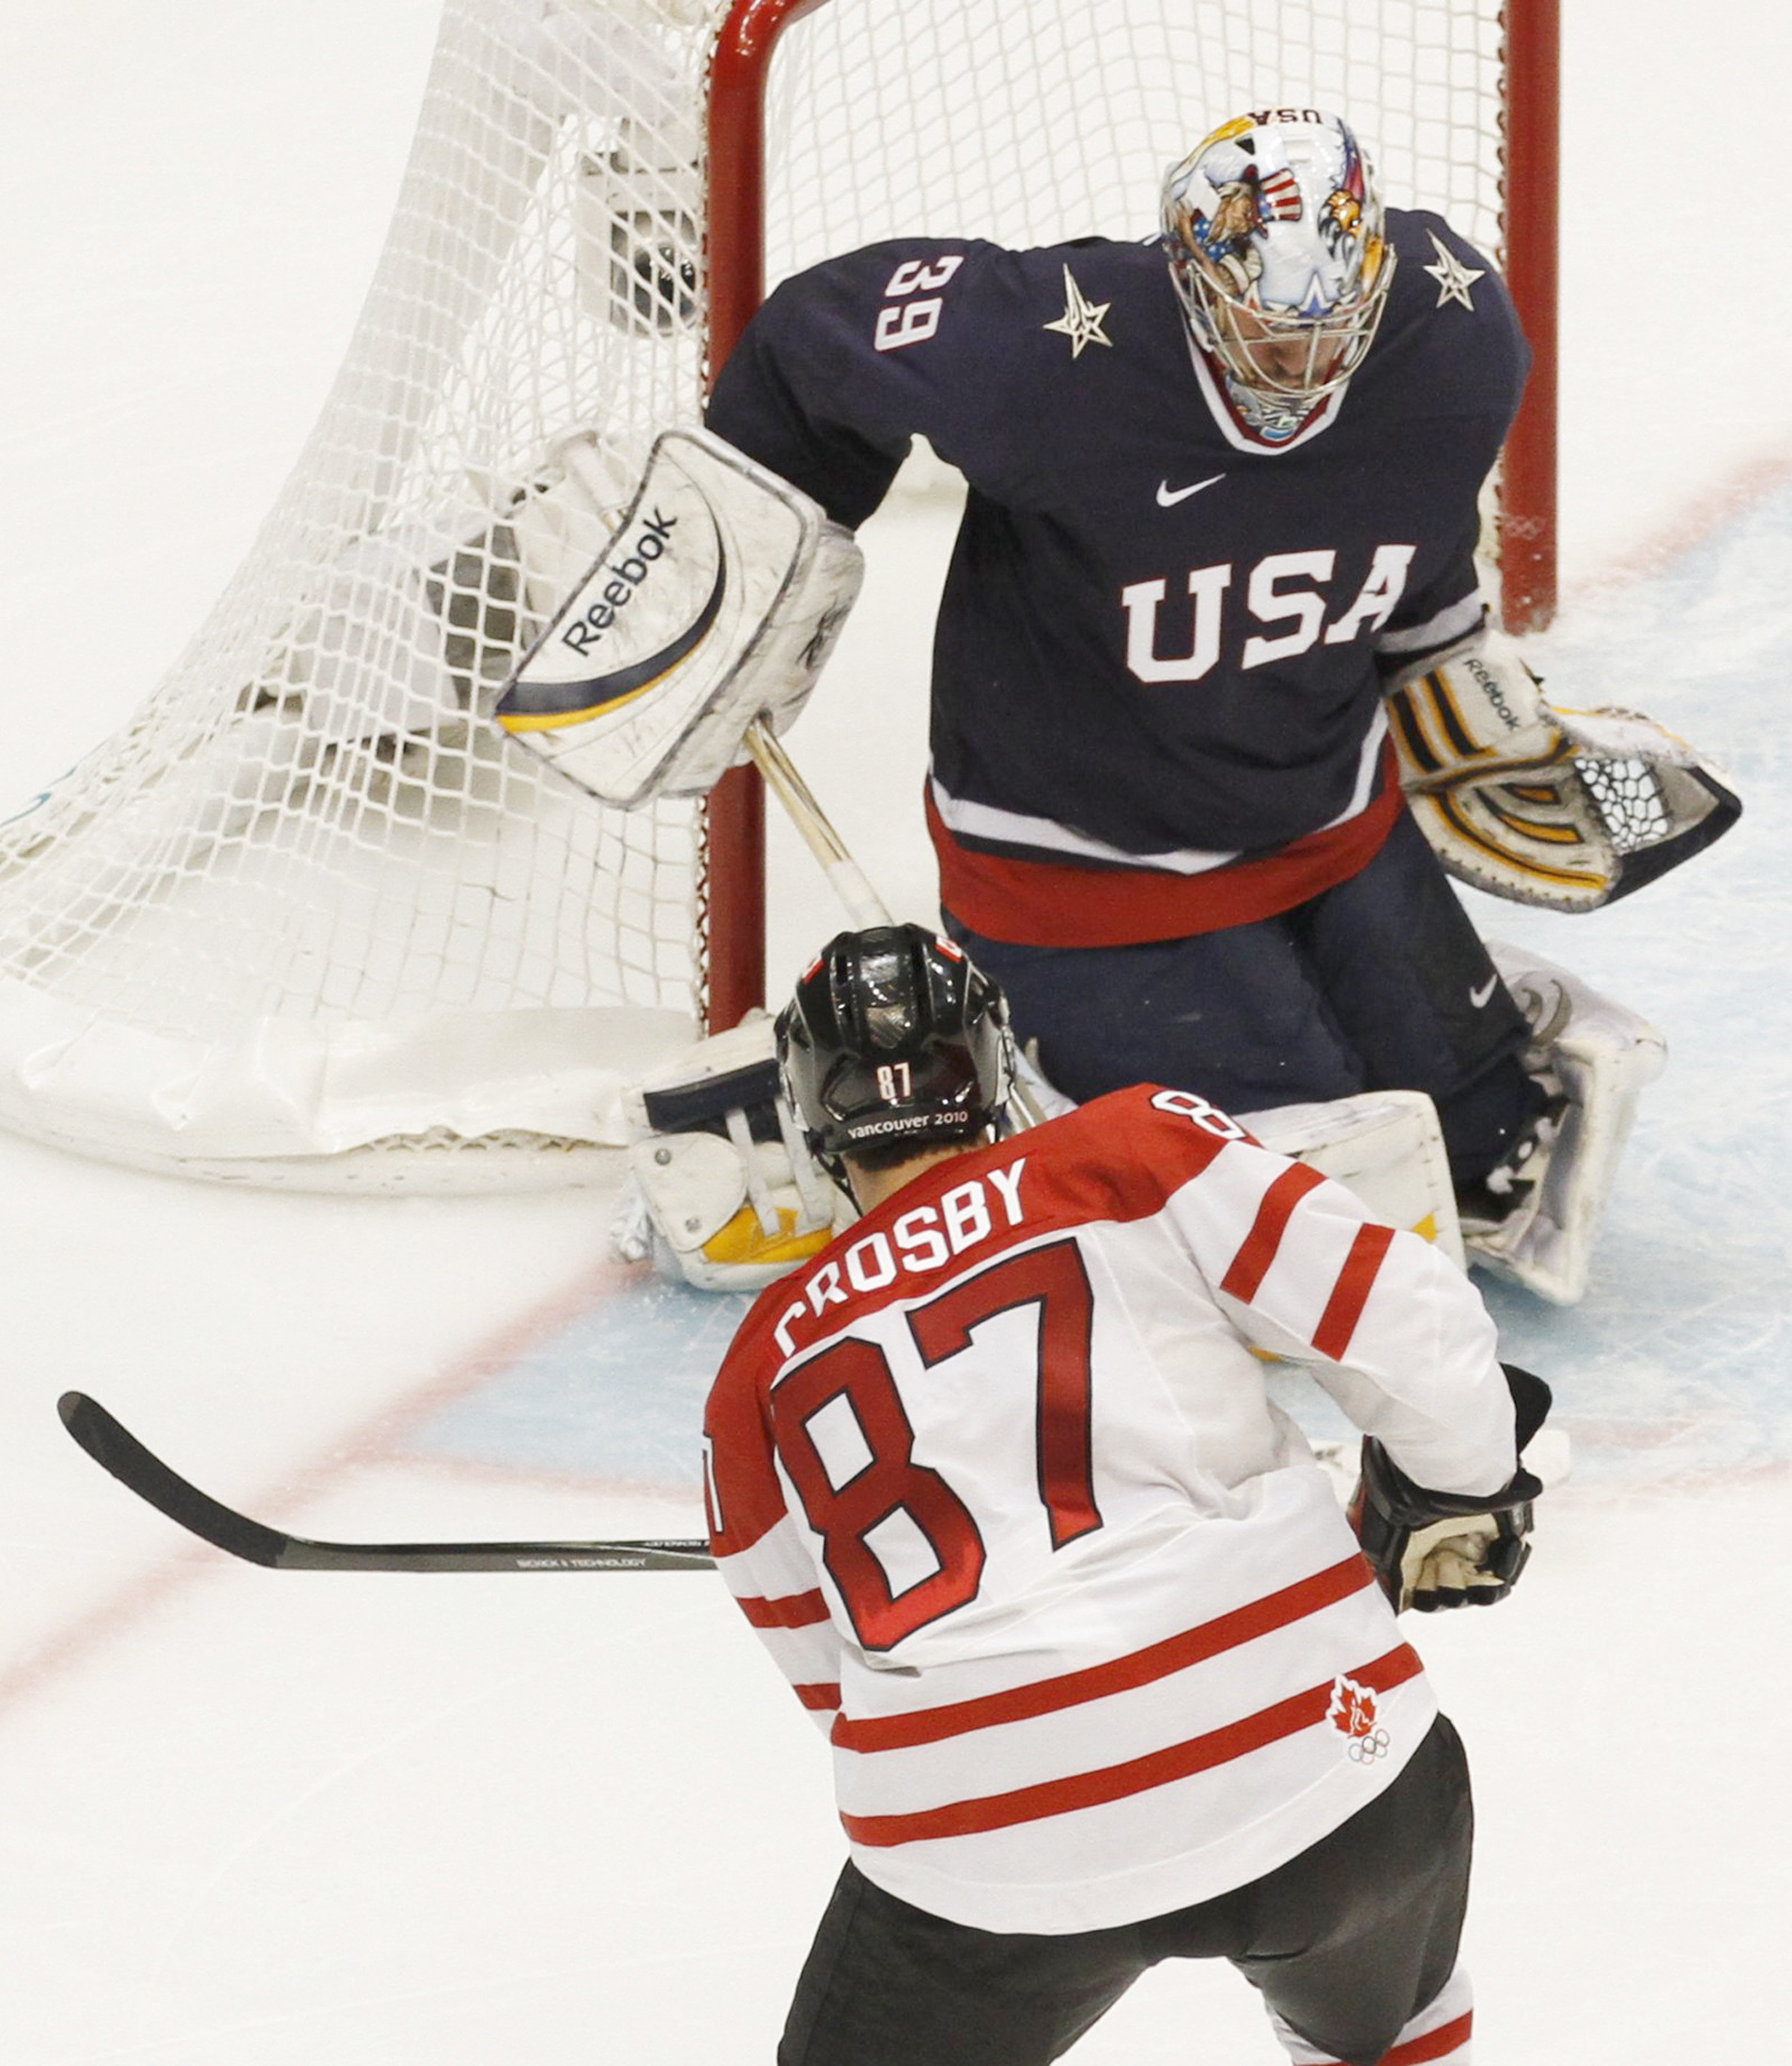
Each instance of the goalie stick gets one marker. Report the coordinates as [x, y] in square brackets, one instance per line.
[849, 882]
[864, 906]
[114, 1448]
[713, 606]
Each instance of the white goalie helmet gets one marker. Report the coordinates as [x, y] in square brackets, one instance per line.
[1276, 240]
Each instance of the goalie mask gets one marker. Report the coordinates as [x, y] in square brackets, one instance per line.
[1278, 249]
[893, 1039]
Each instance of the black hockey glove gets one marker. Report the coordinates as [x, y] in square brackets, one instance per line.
[1432, 1550]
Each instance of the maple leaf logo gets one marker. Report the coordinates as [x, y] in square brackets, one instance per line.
[1353, 1709]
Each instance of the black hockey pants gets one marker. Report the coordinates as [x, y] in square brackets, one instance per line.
[1347, 1943]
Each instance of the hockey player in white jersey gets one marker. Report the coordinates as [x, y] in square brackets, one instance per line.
[999, 1481]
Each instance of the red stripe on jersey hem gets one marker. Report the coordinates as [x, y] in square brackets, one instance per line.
[1350, 1294]
[820, 1698]
[1054, 903]
[1250, 1266]
[1097, 1789]
[794, 1610]
[1274, 1611]
[1434, 2044]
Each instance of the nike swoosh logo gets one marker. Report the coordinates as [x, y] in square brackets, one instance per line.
[1169, 496]
[1477, 998]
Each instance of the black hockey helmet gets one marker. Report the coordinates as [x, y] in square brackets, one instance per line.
[893, 1039]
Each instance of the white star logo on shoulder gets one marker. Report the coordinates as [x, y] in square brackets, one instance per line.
[1454, 279]
[1081, 321]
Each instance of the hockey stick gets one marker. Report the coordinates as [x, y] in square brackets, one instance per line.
[720, 592]
[864, 906]
[114, 1448]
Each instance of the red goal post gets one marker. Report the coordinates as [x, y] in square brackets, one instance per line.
[1530, 190]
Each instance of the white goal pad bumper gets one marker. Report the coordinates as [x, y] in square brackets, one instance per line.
[490, 1099]
[715, 602]
[723, 1191]
[1603, 1056]
[1383, 1144]
[1563, 808]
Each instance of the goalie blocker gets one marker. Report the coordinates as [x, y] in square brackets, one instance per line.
[715, 603]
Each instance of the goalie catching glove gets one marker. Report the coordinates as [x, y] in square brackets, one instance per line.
[1435, 1549]
[1565, 808]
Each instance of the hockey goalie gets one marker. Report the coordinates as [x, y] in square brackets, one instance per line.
[1514, 796]
[1217, 709]
[1222, 502]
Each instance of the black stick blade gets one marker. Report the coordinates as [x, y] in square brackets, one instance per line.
[114, 1448]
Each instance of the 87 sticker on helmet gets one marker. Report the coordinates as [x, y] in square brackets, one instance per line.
[892, 1035]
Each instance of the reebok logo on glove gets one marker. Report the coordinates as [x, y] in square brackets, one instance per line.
[628, 573]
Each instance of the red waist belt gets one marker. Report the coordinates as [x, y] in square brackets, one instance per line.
[1055, 904]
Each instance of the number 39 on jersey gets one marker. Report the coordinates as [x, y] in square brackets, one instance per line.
[904, 320]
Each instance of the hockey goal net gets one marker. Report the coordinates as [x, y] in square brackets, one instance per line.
[308, 919]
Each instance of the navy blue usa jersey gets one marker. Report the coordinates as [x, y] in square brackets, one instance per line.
[1160, 653]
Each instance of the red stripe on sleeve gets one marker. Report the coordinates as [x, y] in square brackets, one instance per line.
[1250, 1266]
[1344, 1308]
[820, 1698]
[794, 1610]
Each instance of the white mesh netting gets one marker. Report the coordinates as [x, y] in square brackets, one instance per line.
[1040, 119]
[309, 919]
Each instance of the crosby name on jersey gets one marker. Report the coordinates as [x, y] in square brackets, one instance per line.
[1161, 648]
[999, 1481]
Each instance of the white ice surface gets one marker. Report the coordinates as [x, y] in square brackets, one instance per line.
[254, 1819]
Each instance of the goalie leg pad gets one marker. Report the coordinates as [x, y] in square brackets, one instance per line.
[1602, 1056]
[1383, 1144]
[728, 1195]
